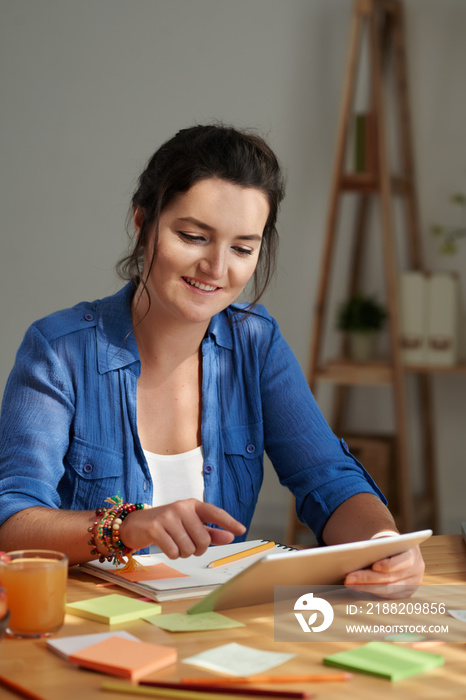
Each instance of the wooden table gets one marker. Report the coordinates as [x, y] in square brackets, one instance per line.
[30, 664]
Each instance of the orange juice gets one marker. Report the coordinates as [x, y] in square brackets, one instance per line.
[35, 582]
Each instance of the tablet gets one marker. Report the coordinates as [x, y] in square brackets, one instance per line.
[318, 566]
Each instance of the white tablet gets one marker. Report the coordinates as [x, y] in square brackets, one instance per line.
[315, 567]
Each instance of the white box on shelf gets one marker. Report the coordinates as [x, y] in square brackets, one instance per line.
[413, 316]
[442, 323]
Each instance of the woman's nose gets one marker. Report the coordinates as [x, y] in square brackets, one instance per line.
[213, 264]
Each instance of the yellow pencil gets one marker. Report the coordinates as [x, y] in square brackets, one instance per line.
[246, 680]
[241, 555]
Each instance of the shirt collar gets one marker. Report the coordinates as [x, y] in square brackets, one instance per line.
[222, 326]
[116, 344]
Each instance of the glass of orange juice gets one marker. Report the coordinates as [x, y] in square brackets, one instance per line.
[4, 614]
[35, 582]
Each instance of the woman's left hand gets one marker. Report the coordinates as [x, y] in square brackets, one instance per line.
[393, 577]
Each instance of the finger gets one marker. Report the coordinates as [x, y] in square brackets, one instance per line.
[167, 544]
[369, 576]
[199, 534]
[186, 530]
[396, 563]
[220, 536]
[213, 514]
[389, 590]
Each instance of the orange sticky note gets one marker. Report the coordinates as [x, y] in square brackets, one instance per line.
[151, 573]
[124, 657]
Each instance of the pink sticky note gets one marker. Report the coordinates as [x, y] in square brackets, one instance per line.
[150, 573]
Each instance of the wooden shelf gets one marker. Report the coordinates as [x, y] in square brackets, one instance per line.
[377, 373]
[369, 182]
[436, 369]
[352, 373]
[380, 23]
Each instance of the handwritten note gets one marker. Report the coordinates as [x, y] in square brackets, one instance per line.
[238, 660]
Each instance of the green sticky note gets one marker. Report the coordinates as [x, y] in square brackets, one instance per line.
[404, 637]
[113, 609]
[385, 660]
[182, 622]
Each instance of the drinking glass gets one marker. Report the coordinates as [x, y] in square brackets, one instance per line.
[4, 614]
[35, 582]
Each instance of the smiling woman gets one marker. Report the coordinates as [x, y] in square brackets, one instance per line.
[208, 245]
[170, 391]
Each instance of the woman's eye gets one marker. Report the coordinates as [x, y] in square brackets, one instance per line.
[243, 251]
[190, 238]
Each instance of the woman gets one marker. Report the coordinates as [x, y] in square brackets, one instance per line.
[170, 390]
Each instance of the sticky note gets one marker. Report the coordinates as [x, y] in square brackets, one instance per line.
[150, 573]
[458, 614]
[125, 657]
[64, 646]
[113, 609]
[238, 660]
[182, 622]
[385, 660]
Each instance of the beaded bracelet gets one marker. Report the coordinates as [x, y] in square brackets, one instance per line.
[107, 532]
[91, 529]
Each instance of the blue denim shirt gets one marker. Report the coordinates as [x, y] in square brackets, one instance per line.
[68, 432]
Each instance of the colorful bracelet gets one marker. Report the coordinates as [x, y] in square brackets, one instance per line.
[106, 531]
[92, 530]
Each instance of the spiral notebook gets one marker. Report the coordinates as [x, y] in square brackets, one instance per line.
[167, 579]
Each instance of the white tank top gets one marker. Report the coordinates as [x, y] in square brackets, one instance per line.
[176, 477]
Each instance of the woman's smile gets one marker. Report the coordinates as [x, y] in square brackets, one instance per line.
[199, 286]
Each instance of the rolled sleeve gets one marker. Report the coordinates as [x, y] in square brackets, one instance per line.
[310, 460]
[37, 412]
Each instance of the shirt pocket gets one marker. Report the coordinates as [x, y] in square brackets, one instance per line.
[93, 473]
[244, 450]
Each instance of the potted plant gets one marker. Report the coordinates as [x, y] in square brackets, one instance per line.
[449, 235]
[361, 317]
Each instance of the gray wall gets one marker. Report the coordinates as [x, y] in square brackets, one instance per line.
[90, 88]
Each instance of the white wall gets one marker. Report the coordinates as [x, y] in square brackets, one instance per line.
[89, 89]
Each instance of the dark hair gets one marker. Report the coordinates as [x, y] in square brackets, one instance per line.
[198, 153]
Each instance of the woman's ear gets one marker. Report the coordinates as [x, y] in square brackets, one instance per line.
[138, 219]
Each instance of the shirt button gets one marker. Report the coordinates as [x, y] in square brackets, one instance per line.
[88, 317]
[88, 468]
[250, 448]
[208, 469]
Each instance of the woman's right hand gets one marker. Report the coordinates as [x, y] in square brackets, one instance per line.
[179, 528]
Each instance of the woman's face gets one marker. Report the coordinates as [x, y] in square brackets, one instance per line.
[208, 247]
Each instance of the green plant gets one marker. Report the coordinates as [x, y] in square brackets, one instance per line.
[361, 313]
[450, 234]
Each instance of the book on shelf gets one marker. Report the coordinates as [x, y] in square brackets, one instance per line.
[163, 579]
